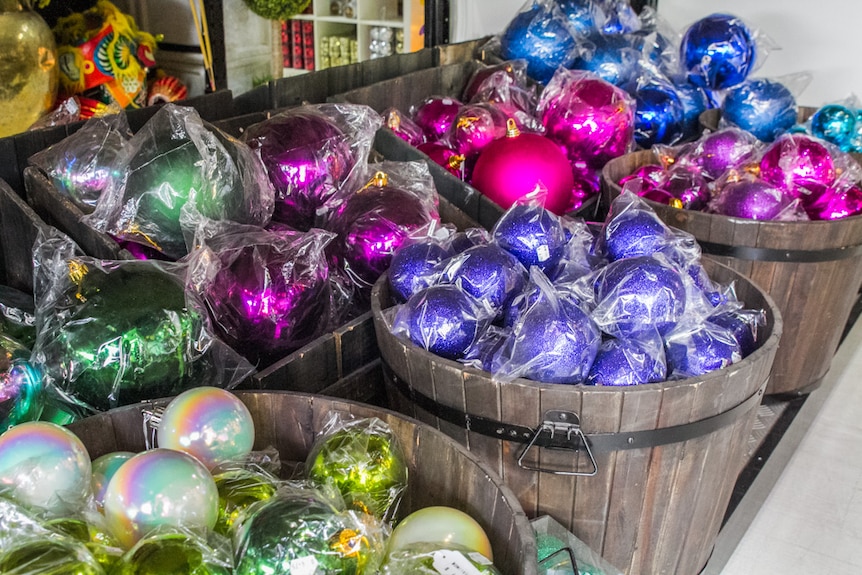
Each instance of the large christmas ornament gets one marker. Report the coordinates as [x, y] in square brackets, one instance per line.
[413, 267]
[718, 51]
[533, 235]
[372, 223]
[489, 273]
[584, 15]
[836, 203]
[474, 127]
[442, 319]
[20, 387]
[403, 126]
[54, 555]
[307, 156]
[834, 123]
[799, 165]
[696, 351]
[440, 524]
[209, 423]
[628, 362]
[590, 118]
[659, 114]
[694, 102]
[520, 164]
[435, 558]
[160, 487]
[103, 469]
[634, 233]
[741, 326]
[238, 489]
[689, 187]
[298, 532]
[164, 553]
[444, 155]
[435, 115]
[753, 199]
[763, 107]
[365, 463]
[727, 149]
[611, 58]
[541, 35]
[44, 466]
[104, 548]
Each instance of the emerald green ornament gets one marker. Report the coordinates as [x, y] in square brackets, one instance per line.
[17, 316]
[49, 556]
[364, 461]
[237, 490]
[173, 554]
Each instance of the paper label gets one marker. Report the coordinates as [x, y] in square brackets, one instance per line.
[479, 558]
[543, 253]
[448, 562]
[303, 565]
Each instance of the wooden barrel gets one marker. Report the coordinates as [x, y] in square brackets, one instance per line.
[663, 457]
[812, 270]
[441, 472]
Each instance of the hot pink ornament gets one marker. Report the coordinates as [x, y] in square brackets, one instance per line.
[751, 199]
[721, 151]
[652, 174]
[689, 187]
[505, 74]
[445, 156]
[475, 126]
[407, 129]
[835, 204]
[800, 165]
[520, 164]
[588, 183]
[435, 115]
[591, 119]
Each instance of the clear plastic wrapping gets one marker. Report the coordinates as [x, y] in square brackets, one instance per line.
[416, 264]
[176, 550]
[629, 361]
[764, 107]
[694, 349]
[17, 315]
[403, 125]
[434, 559]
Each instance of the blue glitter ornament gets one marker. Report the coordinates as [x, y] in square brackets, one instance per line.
[694, 102]
[463, 241]
[489, 273]
[834, 123]
[628, 362]
[634, 233]
[413, 266]
[659, 114]
[543, 37]
[533, 235]
[765, 108]
[612, 58]
[718, 52]
[741, 327]
[442, 319]
[582, 14]
[699, 350]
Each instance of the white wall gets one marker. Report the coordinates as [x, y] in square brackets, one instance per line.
[819, 36]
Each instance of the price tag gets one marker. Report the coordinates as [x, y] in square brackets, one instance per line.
[303, 565]
[479, 558]
[543, 253]
[448, 562]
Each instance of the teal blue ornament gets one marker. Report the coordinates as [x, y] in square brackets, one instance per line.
[834, 123]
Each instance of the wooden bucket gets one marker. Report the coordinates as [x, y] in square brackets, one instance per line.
[812, 270]
[664, 456]
[441, 472]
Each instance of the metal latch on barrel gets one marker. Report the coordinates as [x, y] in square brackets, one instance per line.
[560, 430]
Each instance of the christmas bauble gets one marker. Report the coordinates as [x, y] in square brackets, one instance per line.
[694, 102]
[590, 118]
[653, 176]
[740, 327]
[752, 199]
[799, 165]
[159, 487]
[406, 128]
[836, 203]
[763, 107]
[103, 469]
[239, 488]
[435, 116]
[101, 544]
[440, 524]
[49, 555]
[307, 156]
[718, 51]
[533, 235]
[634, 233]
[659, 114]
[364, 462]
[834, 123]
[628, 362]
[442, 319]
[20, 388]
[727, 149]
[208, 423]
[541, 36]
[584, 15]
[173, 553]
[435, 558]
[689, 187]
[611, 58]
[45, 467]
[492, 78]
[446, 156]
[414, 267]
[488, 273]
[474, 127]
[694, 352]
[462, 241]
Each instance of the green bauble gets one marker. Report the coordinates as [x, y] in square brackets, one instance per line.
[49, 556]
[297, 530]
[123, 334]
[172, 554]
[17, 316]
[364, 462]
[237, 490]
[432, 559]
[101, 544]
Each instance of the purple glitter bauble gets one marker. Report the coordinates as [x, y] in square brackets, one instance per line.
[442, 319]
[699, 351]
[637, 294]
[404, 127]
[474, 127]
[435, 116]
[627, 362]
[740, 327]
[413, 267]
[718, 51]
[636, 233]
[555, 344]
[689, 187]
[462, 241]
[835, 204]
[752, 199]
[489, 273]
[306, 157]
[533, 235]
[592, 120]
[724, 150]
[799, 165]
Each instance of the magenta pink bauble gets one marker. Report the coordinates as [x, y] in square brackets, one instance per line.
[751, 199]
[404, 127]
[520, 164]
[435, 115]
[475, 126]
[835, 204]
[445, 156]
[652, 174]
[689, 187]
[800, 165]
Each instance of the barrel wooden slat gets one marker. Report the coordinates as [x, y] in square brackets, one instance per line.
[449, 390]
[483, 402]
[520, 402]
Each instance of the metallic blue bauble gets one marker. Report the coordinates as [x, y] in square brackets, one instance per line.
[633, 234]
[765, 108]
[533, 235]
[582, 14]
[620, 18]
[413, 265]
[543, 38]
[740, 327]
[834, 123]
[691, 353]
[489, 273]
[628, 362]
[659, 114]
[718, 52]
[442, 319]
[556, 344]
[694, 102]
[612, 58]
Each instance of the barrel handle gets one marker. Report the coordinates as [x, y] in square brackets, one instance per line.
[564, 429]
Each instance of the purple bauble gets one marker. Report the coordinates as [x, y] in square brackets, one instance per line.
[628, 362]
[554, 343]
[705, 348]
[413, 267]
[442, 319]
[462, 241]
[834, 204]
[637, 294]
[653, 175]
[740, 327]
[443, 155]
[689, 187]
[799, 165]
[474, 127]
[404, 127]
[592, 120]
[489, 273]
[751, 199]
[306, 156]
[533, 235]
[435, 116]
[724, 150]
[634, 233]
[371, 224]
